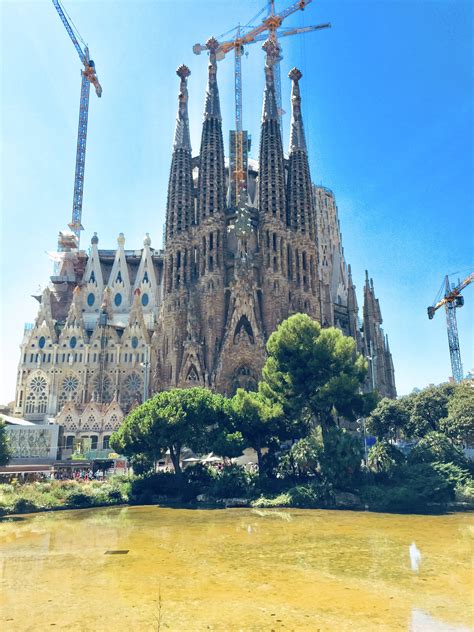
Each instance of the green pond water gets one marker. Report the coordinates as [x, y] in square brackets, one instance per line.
[236, 569]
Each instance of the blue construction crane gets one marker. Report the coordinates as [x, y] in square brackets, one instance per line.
[89, 76]
[451, 300]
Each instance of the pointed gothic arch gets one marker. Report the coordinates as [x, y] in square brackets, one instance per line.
[243, 328]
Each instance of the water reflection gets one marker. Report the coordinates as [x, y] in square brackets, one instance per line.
[299, 569]
[423, 622]
[415, 557]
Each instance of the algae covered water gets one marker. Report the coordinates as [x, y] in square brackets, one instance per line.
[151, 568]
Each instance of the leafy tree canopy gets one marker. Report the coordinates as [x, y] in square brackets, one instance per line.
[459, 423]
[436, 447]
[169, 421]
[259, 420]
[313, 373]
[389, 418]
[429, 406]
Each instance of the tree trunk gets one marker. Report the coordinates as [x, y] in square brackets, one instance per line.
[175, 454]
[259, 461]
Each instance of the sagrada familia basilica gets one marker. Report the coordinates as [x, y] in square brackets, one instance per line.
[116, 326]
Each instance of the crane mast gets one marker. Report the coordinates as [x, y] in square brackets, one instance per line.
[88, 76]
[452, 300]
[239, 139]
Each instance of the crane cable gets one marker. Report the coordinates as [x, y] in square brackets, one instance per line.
[76, 33]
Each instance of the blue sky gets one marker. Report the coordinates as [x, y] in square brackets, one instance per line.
[388, 108]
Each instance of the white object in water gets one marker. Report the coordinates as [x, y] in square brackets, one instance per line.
[415, 557]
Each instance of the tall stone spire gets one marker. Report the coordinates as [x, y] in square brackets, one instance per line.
[353, 309]
[381, 372]
[271, 169]
[180, 204]
[300, 211]
[211, 192]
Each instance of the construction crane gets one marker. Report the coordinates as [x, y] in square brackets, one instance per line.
[270, 27]
[451, 300]
[88, 76]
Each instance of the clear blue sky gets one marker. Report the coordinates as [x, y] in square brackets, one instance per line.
[388, 108]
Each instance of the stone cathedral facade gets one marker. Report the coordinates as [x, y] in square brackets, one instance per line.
[115, 326]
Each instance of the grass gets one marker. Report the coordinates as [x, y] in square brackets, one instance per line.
[51, 495]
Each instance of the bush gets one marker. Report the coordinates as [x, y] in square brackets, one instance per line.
[465, 492]
[335, 456]
[282, 500]
[453, 474]
[231, 482]
[200, 474]
[79, 499]
[419, 488]
[384, 458]
[157, 484]
[22, 505]
[311, 495]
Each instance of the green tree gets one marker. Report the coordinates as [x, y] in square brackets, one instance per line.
[429, 406]
[436, 447]
[336, 459]
[315, 374]
[459, 423]
[259, 421]
[389, 419]
[5, 452]
[170, 421]
[384, 457]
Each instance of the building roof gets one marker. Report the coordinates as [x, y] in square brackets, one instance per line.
[15, 421]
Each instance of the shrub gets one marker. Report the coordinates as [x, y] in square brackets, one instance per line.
[79, 499]
[311, 495]
[418, 489]
[23, 505]
[200, 474]
[282, 500]
[465, 492]
[335, 456]
[157, 484]
[383, 458]
[231, 482]
[453, 474]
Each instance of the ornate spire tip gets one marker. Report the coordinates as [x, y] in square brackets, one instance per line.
[295, 74]
[212, 44]
[183, 71]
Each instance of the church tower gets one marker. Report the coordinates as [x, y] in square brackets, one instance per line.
[273, 230]
[178, 264]
[381, 374]
[301, 216]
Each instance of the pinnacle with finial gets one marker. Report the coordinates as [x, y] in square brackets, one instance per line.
[183, 71]
[271, 49]
[295, 74]
[212, 45]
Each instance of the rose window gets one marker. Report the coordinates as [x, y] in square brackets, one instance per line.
[38, 384]
[133, 383]
[70, 384]
[103, 387]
